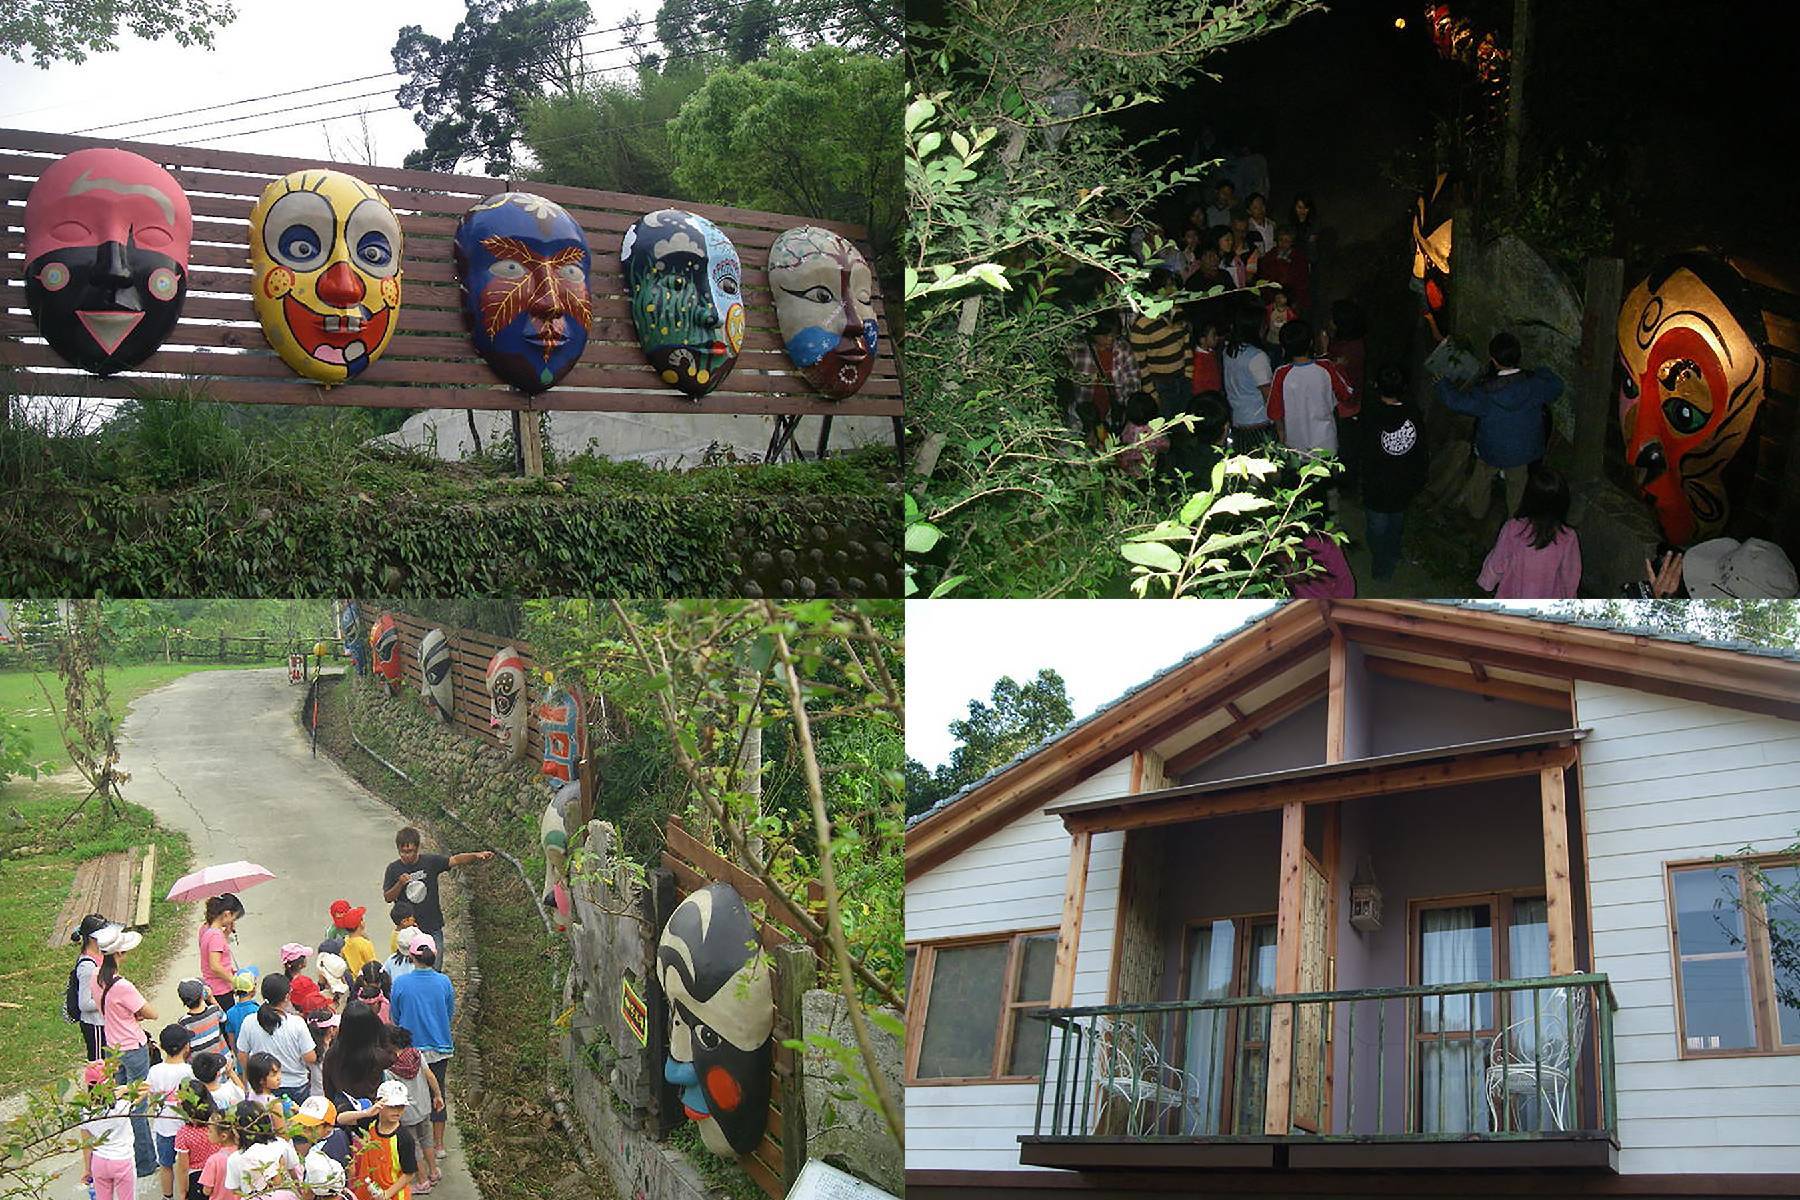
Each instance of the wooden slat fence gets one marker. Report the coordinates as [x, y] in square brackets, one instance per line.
[694, 866]
[430, 362]
[470, 650]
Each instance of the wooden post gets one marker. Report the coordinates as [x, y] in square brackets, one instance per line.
[528, 443]
[1334, 699]
[796, 973]
[658, 901]
[1515, 97]
[1277, 1114]
[1559, 904]
[1593, 395]
[1068, 938]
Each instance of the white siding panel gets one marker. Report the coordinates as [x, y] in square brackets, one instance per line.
[1013, 879]
[1664, 780]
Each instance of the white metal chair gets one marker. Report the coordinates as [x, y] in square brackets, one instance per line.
[1519, 1068]
[1133, 1079]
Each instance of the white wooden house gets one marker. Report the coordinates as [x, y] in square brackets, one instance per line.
[1373, 898]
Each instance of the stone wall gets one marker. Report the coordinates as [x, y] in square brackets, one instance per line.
[844, 1133]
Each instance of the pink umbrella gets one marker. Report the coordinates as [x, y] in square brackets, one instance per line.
[215, 881]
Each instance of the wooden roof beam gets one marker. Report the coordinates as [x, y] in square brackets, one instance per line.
[1252, 725]
[1481, 685]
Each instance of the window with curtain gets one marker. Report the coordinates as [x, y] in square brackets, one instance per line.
[1225, 1050]
[1737, 956]
[967, 1015]
[1456, 945]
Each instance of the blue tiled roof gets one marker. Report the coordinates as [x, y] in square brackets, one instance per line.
[1551, 618]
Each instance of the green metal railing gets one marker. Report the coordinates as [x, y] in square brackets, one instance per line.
[1509, 1059]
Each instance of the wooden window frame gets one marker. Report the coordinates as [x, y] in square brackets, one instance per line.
[918, 1001]
[1756, 949]
[1242, 926]
[1500, 904]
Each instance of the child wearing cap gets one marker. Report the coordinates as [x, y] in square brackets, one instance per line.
[322, 1023]
[423, 1102]
[401, 961]
[243, 986]
[164, 1080]
[302, 991]
[334, 978]
[358, 949]
[316, 1132]
[203, 1020]
[107, 1165]
[385, 1166]
[194, 1145]
[372, 989]
[403, 915]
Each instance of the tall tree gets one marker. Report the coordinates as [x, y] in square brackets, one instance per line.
[56, 30]
[1020, 716]
[1774, 623]
[470, 91]
[813, 132]
[613, 136]
[749, 29]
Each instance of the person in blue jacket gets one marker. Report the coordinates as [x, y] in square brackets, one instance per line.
[1509, 406]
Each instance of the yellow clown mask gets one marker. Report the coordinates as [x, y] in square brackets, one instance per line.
[325, 255]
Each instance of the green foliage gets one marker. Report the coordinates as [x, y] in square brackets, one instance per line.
[612, 136]
[15, 753]
[1565, 208]
[366, 519]
[1021, 189]
[741, 30]
[56, 30]
[814, 132]
[1773, 623]
[1021, 716]
[470, 91]
[1240, 537]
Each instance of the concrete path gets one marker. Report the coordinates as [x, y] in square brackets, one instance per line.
[219, 756]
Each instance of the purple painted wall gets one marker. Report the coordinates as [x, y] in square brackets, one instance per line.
[1298, 741]
[1414, 716]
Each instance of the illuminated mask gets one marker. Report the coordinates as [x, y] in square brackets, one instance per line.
[434, 668]
[106, 257]
[350, 632]
[325, 254]
[1691, 342]
[506, 700]
[822, 292]
[523, 264]
[565, 735]
[1431, 230]
[384, 636]
[685, 283]
[721, 1015]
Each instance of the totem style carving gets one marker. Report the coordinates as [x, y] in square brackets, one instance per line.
[325, 253]
[107, 234]
[564, 730]
[350, 632]
[434, 669]
[824, 296]
[523, 263]
[384, 639]
[686, 285]
[506, 700]
[721, 1017]
[1695, 348]
[1432, 237]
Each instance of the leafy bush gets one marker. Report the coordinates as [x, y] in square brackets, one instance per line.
[15, 752]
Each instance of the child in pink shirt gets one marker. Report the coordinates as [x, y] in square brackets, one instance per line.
[1140, 445]
[1537, 556]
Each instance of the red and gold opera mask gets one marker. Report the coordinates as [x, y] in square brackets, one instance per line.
[1691, 344]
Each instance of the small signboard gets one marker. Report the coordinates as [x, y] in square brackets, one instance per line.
[821, 1182]
[636, 1014]
[296, 668]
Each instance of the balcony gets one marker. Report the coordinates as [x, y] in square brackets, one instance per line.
[1508, 1074]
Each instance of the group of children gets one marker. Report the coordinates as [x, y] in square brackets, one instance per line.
[330, 1084]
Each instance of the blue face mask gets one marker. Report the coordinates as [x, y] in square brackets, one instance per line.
[524, 266]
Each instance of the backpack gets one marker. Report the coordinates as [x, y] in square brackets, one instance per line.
[71, 1009]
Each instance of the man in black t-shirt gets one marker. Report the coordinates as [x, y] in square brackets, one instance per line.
[414, 876]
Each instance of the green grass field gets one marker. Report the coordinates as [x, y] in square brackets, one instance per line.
[23, 702]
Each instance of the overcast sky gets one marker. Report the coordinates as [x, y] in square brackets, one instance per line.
[273, 46]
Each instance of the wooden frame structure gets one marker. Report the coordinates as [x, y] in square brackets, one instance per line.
[919, 1003]
[430, 362]
[1766, 1019]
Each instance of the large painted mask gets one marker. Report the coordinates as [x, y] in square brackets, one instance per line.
[1691, 343]
[686, 286]
[565, 735]
[1431, 236]
[523, 264]
[434, 670]
[350, 633]
[506, 700]
[384, 638]
[823, 290]
[325, 256]
[721, 1016]
[106, 257]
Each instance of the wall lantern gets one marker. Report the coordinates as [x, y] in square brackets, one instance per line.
[1365, 897]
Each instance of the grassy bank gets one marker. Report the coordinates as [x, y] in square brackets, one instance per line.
[36, 862]
[23, 702]
[513, 1148]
